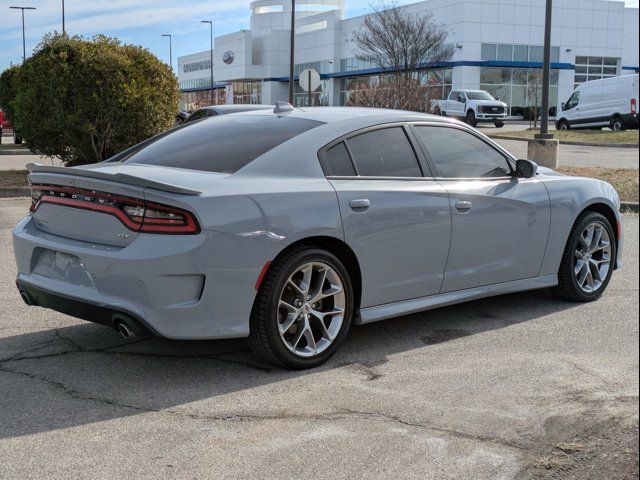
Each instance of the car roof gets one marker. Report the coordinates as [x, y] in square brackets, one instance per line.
[224, 109]
[338, 114]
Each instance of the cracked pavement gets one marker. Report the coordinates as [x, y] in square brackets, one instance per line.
[518, 386]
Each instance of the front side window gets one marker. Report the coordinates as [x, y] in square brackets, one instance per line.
[384, 153]
[460, 154]
[573, 101]
[224, 143]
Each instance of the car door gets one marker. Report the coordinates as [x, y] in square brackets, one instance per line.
[396, 219]
[572, 108]
[457, 103]
[500, 223]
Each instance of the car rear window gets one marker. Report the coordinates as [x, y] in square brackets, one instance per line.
[222, 144]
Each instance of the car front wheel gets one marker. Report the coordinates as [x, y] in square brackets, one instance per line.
[470, 119]
[498, 124]
[304, 309]
[588, 260]
[563, 125]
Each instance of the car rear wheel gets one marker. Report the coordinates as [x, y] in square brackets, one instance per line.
[616, 124]
[588, 259]
[304, 309]
[470, 119]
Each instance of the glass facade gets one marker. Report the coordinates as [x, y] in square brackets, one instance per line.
[247, 92]
[518, 87]
[438, 83]
[505, 52]
[596, 68]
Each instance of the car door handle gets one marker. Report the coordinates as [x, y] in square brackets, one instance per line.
[463, 207]
[360, 204]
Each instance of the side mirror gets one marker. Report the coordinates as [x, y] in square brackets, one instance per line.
[526, 169]
[498, 98]
[563, 106]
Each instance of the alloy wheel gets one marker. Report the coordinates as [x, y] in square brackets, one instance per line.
[311, 309]
[592, 257]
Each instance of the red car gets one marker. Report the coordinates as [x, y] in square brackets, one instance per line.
[4, 121]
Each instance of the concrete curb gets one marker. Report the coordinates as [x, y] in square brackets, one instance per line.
[582, 144]
[21, 151]
[7, 192]
[629, 207]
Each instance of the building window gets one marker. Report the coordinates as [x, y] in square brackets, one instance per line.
[515, 86]
[504, 52]
[595, 68]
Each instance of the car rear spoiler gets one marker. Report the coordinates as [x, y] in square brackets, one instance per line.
[113, 177]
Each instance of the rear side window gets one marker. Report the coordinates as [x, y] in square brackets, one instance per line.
[223, 143]
[384, 153]
[337, 163]
[460, 154]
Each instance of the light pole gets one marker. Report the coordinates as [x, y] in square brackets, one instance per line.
[64, 30]
[546, 72]
[292, 52]
[543, 148]
[170, 49]
[211, 51]
[24, 44]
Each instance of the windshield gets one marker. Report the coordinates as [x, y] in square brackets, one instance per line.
[480, 95]
[222, 144]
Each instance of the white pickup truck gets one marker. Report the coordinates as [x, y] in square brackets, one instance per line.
[473, 106]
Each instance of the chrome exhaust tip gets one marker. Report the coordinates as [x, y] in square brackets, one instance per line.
[26, 298]
[125, 331]
[129, 327]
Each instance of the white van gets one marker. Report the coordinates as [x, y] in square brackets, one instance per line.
[611, 102]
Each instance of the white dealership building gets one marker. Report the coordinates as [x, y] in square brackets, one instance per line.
[495, 40]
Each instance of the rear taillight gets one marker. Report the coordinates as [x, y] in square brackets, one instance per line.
[137, 215]
[633, 106]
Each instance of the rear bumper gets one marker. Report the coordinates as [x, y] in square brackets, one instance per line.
[180, 287]
[78, 308]
[630, 120]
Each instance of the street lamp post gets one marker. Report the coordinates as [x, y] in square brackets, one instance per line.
[546, 72]
[292, 52]
[543, 148]
[24, 43]
[64, 30]
[170, 48]
[211, 58]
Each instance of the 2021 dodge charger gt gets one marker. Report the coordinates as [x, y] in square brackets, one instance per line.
[289, 226]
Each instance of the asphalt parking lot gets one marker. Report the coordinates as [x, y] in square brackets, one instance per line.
[518, 386]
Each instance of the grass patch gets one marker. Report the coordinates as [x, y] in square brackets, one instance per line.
[13, 178]
[604, 136]
[624, 180]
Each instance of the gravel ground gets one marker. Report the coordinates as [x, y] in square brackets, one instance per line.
[518, 386]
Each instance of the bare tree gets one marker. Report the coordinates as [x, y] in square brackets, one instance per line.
[532, 78]
[404, 45]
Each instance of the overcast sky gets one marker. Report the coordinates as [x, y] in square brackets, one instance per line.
[138, 22]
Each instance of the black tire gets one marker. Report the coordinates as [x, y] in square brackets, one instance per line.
[264, 337]
[563, 125]
[470, 119]
[617, 125]
[568, 287]
[498, 124]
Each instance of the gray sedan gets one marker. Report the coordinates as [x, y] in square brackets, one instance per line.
[290, 226]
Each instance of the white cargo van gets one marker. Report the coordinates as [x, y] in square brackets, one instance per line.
[611, 102]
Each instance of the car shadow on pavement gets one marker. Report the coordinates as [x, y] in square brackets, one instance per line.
[77, 375]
